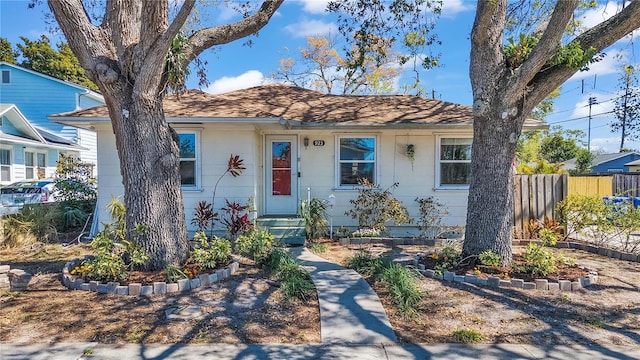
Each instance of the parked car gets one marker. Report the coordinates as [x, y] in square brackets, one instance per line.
[13, 197]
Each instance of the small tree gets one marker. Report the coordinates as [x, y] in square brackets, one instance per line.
[627, 108]
[374, 207]
[75, 190]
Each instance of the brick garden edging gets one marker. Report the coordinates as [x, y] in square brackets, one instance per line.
[13, 279]
[496, 282]
[136, 289]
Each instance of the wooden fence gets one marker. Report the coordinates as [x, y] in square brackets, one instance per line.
[536, 196]
[590, 185]
[626, 184]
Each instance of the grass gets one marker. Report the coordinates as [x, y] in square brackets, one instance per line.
[319, 248]
[296, 281]
[401, 283]
[467, 336]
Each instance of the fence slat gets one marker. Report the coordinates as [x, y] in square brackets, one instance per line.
[536, 196]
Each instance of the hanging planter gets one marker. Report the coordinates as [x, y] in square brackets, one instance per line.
[411, 151]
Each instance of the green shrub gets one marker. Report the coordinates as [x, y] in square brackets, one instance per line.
[403, 288]
[118, 250]
[173, 274]
[297, 284]
[75, 191]
[448, 257]
[489, 258]
[277, 259]
[587, 215]
[539, 261]
[400, 282]
[431, 213]
[116, 255]
[36, 222]
[314, 214]
[296, 281]
[208, 253]
[254, 244]
[626, 219]
[319, 248]
[16, 231]
[548, 237]
[365, 263]
[467, 336]
[374, 207]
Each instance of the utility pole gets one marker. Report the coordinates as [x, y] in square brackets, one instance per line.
[592, 101]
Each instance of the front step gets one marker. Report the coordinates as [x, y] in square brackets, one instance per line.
[288, 229]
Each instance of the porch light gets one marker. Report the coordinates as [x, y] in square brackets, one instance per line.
[306, 142]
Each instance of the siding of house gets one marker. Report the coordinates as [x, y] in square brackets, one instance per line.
[38, 96]
[617, 164]
[317, 170]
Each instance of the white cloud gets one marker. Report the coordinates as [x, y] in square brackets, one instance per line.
[581, 109]
[243, 81]
[451, 8]
[311, 28]
[599, 14]
[314, 6]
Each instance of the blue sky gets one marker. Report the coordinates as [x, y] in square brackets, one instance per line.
[235, 66]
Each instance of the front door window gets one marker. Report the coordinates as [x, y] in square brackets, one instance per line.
[281, 167]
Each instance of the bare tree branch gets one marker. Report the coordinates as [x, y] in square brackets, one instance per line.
[89, 43]
[206, 38]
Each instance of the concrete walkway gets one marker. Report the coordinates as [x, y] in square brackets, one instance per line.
[73, 351]
[350, 311]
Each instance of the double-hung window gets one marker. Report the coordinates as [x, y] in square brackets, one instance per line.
[454, 162]
[35, 165]
[356, 160]
[5, 165]
[188, 159]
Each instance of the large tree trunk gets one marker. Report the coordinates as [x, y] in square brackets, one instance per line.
[490, 203]
[149, 164]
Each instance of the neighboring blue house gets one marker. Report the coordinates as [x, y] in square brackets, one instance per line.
[608, 163]
[27, 98]
[28, 153]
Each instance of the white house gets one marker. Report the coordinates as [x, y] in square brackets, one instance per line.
[297, 142]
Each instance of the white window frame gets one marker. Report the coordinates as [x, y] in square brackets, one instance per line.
[376, 155]
[2, 77]
[197, 159]
[438, 162]
[10, 165]
[35, 165]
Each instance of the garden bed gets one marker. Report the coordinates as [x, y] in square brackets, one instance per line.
[144, 283]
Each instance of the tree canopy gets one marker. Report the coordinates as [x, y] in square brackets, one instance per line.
[125, 50]
[322, 66]
[40, 56]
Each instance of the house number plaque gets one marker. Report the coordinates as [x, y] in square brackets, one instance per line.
[318, 142]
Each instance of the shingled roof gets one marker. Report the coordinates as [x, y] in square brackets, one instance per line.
[308, 107]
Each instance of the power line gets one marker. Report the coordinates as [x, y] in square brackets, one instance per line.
[580, 118]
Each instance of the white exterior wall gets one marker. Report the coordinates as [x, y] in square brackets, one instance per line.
[215, 145]
[88, 139]
[317, 168]
[318, 172]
